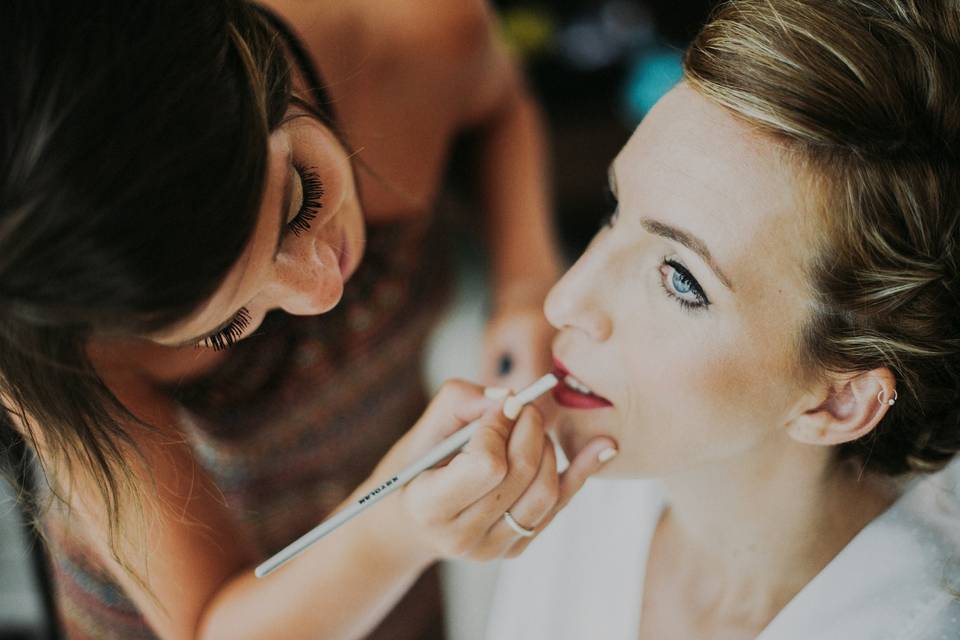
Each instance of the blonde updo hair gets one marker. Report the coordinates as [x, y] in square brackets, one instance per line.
[864, 96]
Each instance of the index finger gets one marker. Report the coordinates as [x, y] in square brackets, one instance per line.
[455, 405]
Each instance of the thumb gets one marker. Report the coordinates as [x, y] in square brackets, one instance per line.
[588, 461]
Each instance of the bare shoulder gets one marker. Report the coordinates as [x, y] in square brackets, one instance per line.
[394, 27]
[169, 507]
[460, 38]
[443, 51]
[454, 27]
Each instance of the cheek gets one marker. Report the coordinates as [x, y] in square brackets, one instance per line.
[698, 395]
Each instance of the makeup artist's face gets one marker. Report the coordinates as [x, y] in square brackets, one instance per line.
[308, 240]
[683, 313]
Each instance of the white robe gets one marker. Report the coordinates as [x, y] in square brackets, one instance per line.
[582, 578]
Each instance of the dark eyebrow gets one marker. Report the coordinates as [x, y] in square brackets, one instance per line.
[685, 238]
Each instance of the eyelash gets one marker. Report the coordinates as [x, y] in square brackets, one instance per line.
[313, 192]
[228, 336]
[610, 219]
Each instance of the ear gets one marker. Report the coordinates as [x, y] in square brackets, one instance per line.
[845, 408]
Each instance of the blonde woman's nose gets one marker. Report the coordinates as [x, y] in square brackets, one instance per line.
[573, 304]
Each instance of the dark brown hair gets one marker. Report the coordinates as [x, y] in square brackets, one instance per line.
[864, 96]
[133, 150]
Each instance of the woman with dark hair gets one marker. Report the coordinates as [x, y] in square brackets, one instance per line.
[170, 173]
[769, 326]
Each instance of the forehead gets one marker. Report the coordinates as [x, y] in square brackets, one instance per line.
[691, 164]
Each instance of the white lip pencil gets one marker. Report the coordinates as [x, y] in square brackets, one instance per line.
[448, 447]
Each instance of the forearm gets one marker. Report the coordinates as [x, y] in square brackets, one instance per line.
[517, 196]
[341, 587]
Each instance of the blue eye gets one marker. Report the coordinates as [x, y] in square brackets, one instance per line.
[683, 287]
[681, 283]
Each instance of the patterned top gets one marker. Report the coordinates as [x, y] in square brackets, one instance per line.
[290, 423]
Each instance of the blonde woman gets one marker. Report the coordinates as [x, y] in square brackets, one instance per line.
[769, 327]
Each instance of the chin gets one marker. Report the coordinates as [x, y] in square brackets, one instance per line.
[574, 429]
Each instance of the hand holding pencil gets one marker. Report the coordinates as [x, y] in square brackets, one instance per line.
[452, 502]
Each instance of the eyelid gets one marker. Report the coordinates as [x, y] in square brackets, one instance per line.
[311, 198]
[294, 207]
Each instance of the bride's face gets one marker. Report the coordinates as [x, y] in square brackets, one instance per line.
[685, 312]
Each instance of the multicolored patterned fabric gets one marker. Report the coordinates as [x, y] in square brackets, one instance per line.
[292, 421]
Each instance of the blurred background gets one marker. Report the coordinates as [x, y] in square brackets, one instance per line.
[597, 67]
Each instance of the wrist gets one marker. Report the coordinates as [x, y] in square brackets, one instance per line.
[400, 537]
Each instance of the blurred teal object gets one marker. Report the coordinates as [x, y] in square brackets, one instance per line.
[653, 72]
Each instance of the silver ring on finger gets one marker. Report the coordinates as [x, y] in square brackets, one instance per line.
[517, 527]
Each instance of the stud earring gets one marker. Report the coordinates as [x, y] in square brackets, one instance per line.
[882, 394]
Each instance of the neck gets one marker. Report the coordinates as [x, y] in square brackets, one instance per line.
[749, 533]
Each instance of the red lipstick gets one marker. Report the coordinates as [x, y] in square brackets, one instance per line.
[574, 398]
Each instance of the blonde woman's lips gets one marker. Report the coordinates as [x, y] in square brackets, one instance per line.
[574, 394]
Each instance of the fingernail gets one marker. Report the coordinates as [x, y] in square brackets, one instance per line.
[496, 393]
[512, 408]
[607, 455]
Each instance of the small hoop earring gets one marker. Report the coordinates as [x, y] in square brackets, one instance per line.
[889, 402]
